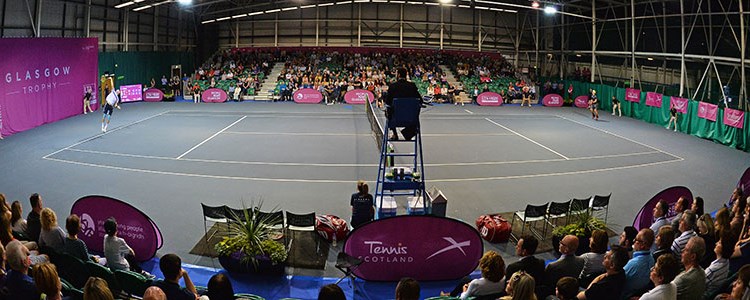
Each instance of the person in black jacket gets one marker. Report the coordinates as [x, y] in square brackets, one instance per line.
[525, 248]
[401, 89]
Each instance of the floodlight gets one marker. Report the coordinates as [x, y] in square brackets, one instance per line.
[550, 10]
[185, 2]
[445, 1]
[534, 4]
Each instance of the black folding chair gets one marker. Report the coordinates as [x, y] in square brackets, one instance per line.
[216, 214]
[531, 214]
[347, 264]
[556, 211]
[304, 222]
[600, 203]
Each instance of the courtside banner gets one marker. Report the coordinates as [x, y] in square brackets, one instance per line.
[358, 96]
[131, 93]
[632, 95]
[653, 99]
[310, 96]
[582, 101]
[421, 247]
[153, 95]
[214, 95]
[707, 111]
[645, 217]
[135, 227]
[734, 118]
[744, 183]
[680, 104]
[489, 99]
[552, 100]
[44, 79]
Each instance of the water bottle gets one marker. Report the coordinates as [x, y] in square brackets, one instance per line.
[334, 239]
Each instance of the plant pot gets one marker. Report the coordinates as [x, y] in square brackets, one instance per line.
[263, 265]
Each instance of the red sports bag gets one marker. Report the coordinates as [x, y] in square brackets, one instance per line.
[493, 228]
[327, 225]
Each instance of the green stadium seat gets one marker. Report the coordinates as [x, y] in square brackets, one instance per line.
[248, 296]
[132, 283]
[71, 292]
[97, 270]
[72, 269]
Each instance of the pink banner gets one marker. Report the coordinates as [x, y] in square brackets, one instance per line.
[489, 99]
[131, 93]
[449, 249]
[680, 104]
[552, 100]
[707, 111]
[734, 118]
[153, 95]
[44, 79]
[358, 96]
[632, 95]
[653, 99]
[310, 96]
[214, 95]
[582, 101]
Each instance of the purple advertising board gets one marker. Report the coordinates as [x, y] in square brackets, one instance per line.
[131, 93]
[44, 79]
[552, 100]
[214, 95]
[680, 104]
[153, 95]
[489, 99]
[358, 96]
[653, 99]
[310, 96]
[435, 248]
[734, 118]
[645, 217]
[744, 183]
[708, 111]
[582, 101]
[633, 95]
[135, 227]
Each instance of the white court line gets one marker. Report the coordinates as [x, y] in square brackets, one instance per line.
[103, 133]
[531, 160]
[354, 134]
[209, 138]
[468, 111]
[528, 139]
[622, 137]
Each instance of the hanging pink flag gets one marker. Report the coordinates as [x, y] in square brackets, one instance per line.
[681, 104]
[653, 99]
[633, 95]
[734, 118]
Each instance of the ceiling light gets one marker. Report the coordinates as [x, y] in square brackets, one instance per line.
[142, 8]
[650, 58]
[185, 2]
[550, 10]
[121, 5]
[534, 4]
[445, 1]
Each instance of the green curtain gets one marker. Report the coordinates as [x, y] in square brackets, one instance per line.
[140, 67]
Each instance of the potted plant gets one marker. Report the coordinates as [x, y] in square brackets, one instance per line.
[582, 224]
[249, 244]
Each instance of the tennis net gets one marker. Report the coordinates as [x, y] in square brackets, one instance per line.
[377, 128]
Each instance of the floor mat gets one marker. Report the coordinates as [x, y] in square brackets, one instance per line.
[205, 246]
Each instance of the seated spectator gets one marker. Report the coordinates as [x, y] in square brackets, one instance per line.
[660, 215]
[117, 252]
[171, 266]
[721, 222]
[154, 293]
[661, 276]
[737, 194]
[34, 225]
[638, 268]
[363, 210]
[73, 246]
[697, 206]
[3, 274]
[525, 248]
[663, 241]
[97, 289]
[219, 287]
[51, 236]
[613, 281]
[718, 271]
[592, 261]
[691, 283]
[331, 292]
[627, 237]
[740, 287]
[493, 272]
[569, 265]
[687, 226]
[16, 219]
[19, 284]
[567, 288]
[47, 281]
[679, 207]
[705, 229]
[520, 286]
[6, 236]
[407, 289]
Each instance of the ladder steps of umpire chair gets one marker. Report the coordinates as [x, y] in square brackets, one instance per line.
[399, 154]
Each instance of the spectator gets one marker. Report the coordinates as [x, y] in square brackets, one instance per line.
[568, 264]
[154, 293]
[171, 266]
[661, 275]
[687, 226]
[331, 292]
[567, 288]
[407, 289]
[691, 283]
[47, 281]
[679, 208]
[721, 223]
[627, 237]
[493, 272]
[660, 215]
[611, 282]
[363, 210]
[663, 241]
[34, 225]
[740, 287]
[219, 288]
[737, 194]
[17, 220]
[117, 252]
[521, 286]
[718, 271]
[3, 275]
[592, 261]
[51, 236]
[697, 206]
[705, 229]
[73, 246]
[20, 285]
[637, 269]
[97, 289]
[525, 248]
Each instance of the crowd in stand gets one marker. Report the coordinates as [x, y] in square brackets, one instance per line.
[237, 71]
